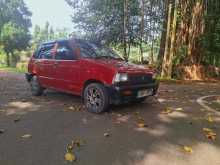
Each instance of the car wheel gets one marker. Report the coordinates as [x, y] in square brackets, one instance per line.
[36, 88]
[96, 98]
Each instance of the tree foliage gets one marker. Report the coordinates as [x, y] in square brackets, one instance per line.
[118, 21]
[14, 26]
[47, 33]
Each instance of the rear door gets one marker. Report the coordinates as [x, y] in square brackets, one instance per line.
[67, 68]
[44, 65]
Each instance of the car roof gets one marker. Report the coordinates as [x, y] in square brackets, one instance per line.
[49, 43]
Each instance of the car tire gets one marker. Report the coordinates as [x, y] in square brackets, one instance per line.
[36, 88]
[96, 98]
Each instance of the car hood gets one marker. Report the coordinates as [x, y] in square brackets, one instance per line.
[123, 66]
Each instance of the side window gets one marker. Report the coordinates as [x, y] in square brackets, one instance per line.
[64, 52]
[36, 53]
[86, 50]
[45, 52]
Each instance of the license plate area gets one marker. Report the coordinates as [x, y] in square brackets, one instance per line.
[144, 93]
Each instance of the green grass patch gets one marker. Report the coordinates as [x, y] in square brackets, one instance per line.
[10, 69]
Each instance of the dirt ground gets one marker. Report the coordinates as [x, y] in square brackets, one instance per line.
[173, 119]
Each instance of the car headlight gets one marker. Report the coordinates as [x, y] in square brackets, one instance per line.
[120, 77]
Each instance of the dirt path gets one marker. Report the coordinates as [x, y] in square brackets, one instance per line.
[56, 118]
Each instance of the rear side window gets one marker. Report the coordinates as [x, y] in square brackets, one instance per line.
[35, 55]
[46, 51]
[64, 51]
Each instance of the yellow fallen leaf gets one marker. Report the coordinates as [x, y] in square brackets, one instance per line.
[211, 135]
[207, 130]
[167, 111]
[209, 119]
[26, 136]
[70, 157]
[187, 149]
[140, 119]
[179, 109]
[141, 125]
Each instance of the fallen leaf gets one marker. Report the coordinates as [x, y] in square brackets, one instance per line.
[167, 111]
[179, 109]
[119, 115]
[161, 100]
[17, 119]
[142, 125]
[137, 113]
[2, 131]
[70, 157]
[209, 119]
[26, 136]
[187, 149]
[77, 142]
[71, 108]
[70, 147]
[207, 130]
[140, 119]
[106, 134]
[211, 135]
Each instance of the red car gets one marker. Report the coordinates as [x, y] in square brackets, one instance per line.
[89, 70]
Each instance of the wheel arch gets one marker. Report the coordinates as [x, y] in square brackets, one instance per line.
[90, 81]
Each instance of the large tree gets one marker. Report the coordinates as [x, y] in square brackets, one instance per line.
[14, 26]
[13, 38]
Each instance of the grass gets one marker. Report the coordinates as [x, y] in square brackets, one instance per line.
[11, 69]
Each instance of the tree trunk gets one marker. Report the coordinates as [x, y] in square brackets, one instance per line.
[8, 59]
[152, 51]
[172, 43]
[125, 29]
[165, 63]
[195, 31]
[163, 35]
[142, 30]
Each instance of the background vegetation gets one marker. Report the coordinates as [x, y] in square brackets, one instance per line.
[181, 38]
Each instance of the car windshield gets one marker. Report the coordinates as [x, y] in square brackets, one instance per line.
[91, 50]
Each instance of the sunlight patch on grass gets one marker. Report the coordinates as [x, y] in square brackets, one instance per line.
[10, 69]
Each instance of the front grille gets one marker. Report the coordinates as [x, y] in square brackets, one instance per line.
[141, 79]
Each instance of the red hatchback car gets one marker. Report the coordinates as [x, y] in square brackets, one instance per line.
[94, 72]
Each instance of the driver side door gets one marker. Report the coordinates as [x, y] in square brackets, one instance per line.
[67, 68]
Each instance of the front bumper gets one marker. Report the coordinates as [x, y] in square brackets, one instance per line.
[118, 96]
